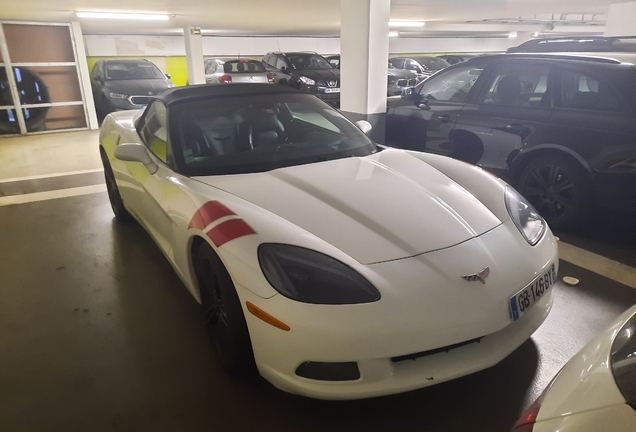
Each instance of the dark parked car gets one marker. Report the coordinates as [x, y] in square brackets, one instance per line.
[397, 79]
[423, 66]
[309, 72]
[125, 84]
[561, 128]
[456, 58]
[580, 44]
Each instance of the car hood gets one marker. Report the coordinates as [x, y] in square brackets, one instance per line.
[142, 87]
[378, 208]
[319, 74]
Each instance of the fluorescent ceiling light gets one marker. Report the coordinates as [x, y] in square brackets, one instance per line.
[512, 35]
[394, 34]
[406, 23]
[126, 16]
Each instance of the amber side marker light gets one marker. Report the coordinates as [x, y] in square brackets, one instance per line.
[261, 314]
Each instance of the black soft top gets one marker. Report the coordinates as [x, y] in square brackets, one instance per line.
[206, 91]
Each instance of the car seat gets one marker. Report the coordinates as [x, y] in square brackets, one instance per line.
[508, 90]
[219, 135]
[266, 130]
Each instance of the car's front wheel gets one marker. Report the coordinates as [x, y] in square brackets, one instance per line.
[116, 202]
[224, 317]
[559, 189]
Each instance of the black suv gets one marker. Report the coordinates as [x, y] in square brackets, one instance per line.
[309, 72]
[561, 128]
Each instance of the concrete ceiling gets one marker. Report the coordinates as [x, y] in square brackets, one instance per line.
[319, 17]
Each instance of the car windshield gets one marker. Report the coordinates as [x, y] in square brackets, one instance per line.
[432, 63]
[247, 134]
[131, 71]
[243, 66]
[308, 61]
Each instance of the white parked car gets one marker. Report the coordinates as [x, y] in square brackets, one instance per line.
[337, 268]
[595, 390]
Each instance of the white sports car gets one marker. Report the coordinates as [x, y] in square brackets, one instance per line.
[340, 269]
[595, 391]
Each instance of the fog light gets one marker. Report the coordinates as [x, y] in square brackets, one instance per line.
[347, 371]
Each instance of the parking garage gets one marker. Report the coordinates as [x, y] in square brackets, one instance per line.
[97, 331]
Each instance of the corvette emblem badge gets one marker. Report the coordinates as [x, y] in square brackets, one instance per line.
[478, 276]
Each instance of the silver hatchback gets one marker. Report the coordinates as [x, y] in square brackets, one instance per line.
[235, 71]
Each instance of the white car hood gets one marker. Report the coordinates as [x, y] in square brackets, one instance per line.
[378, 208]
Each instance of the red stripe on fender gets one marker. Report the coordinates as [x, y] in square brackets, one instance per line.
[229, 230]
[208, 213]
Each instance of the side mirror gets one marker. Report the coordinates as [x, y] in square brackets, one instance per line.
[168, 76]
[407, 94]
[283, 69]
[364, 126]
[100, 79]
[134, 152]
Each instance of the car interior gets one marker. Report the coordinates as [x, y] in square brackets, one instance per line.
[262, 132]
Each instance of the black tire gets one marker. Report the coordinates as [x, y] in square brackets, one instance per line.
[116, 202]
[559, 189]
[224, 317]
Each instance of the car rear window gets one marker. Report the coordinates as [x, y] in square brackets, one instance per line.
[243, 66]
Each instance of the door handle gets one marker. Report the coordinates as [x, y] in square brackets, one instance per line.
[444, 118]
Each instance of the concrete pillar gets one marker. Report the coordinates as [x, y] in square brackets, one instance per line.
[85, 78]
[621, 20]
[364, 51]
[194, 55]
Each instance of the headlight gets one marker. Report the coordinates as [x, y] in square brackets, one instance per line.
[118, 96]
[311, 277]
[528, 221]
[307, 81]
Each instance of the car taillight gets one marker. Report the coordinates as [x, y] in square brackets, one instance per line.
[224, 79]
[270, 77]
[528, 418]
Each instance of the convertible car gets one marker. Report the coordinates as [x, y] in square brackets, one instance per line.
[336, 268]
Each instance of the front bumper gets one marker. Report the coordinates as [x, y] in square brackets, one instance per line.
[420, 310]
[320, 93]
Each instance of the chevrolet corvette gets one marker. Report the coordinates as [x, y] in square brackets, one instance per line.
[335, 267]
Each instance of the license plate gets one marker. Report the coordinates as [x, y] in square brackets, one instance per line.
[331, 90]
[527, 297]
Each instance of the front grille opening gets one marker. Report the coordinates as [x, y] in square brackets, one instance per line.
[434, 351]
[140, 100]
[321, 371]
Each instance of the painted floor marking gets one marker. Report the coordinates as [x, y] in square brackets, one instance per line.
[43, 176]
[49, 195]
[606, 267]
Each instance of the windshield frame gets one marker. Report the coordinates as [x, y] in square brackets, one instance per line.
[176, 130]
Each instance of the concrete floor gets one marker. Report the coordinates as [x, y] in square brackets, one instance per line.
[97, 333]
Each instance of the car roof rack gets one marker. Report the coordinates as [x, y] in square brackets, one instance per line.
[558, 56]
